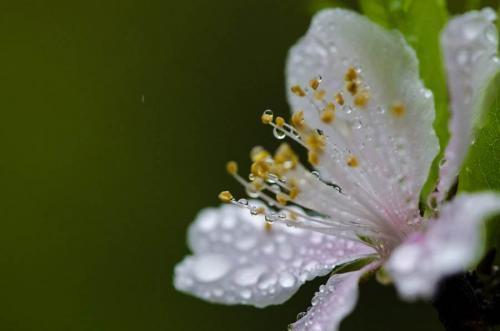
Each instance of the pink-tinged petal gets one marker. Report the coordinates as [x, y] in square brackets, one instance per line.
[451, 244]
[470, 44]
[378, 149]
[334, 301]
[237, 260]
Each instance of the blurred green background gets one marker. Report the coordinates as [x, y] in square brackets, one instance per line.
[117, 120]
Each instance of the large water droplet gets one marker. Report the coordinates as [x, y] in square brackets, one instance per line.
[249, 276]
[279, 134]
[210, 267]
[287, 280]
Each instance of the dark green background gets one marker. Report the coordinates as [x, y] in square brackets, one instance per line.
[117, 118]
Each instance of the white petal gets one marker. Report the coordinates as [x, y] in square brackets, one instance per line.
[334, 301]
[470, 45]
[451, 244]
[394, 152]
[237, 261]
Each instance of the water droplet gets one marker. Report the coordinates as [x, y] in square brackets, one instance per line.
[279, 134]
[270, 217]
[301, 314]
[251, 192]
[473, 141]
[272, 178]
[347, 109]
[250, 275]
[243, 202]
[315, 174]
[210, 267]
[275, 188]
[268, 112]
[251, 177]
[427, 93]
[381, 110]
[253, 210]
[287, 280]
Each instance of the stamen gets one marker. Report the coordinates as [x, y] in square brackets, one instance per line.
[226, 196]
[351, 74]
[314, 83]
[298, 91]
[361, 98]
[398, 109]
[267, 116]
[339, 98]
[352, 87]
[232, 167]
[298, 119]
[328, 116]
[352, 161]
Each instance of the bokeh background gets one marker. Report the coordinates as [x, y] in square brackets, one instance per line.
[117, 118]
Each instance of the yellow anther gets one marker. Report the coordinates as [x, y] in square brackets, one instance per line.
[298, 91]
[361, 98]
[259, 169]
[315, 142]
[339, 98]
[285, 157]
[226, 196]
[280, 121]
[257, 184]
[314, 83]
[352, 87]
[294, 191]
[298, 119]
[282, 199]
[319, 95]
[352, 161]
[351, 74]
[268, 227]
[398, 109]
[330, 106]
[258, 153]
[266, 118]
[328, 116]
[232, 167]
[313, 158]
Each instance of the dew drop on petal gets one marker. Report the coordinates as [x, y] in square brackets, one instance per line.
[250, 275]
[287, 280]
[210, 267]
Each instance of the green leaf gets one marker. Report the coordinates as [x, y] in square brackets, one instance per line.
[421, 22]
[481, 169]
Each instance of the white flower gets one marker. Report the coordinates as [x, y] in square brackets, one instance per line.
[365, 118]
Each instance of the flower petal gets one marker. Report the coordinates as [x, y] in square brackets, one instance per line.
[334, 301]
[381, 143]
[451, 244]
[470, 45]
[238, 260]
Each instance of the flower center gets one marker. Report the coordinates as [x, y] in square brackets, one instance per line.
[345, 204]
